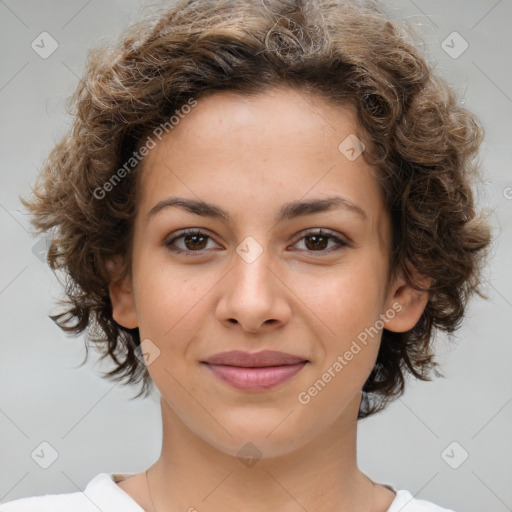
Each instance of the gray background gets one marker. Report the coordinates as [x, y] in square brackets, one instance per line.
[92, 424]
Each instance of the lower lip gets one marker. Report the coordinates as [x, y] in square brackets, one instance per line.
[255, 379]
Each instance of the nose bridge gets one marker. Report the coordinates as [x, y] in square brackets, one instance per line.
[252, 277]
[253, 294]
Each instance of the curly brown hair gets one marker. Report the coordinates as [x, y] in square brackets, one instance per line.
[422, 143]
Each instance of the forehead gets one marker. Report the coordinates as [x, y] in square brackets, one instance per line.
[226, 119]
[253, 153]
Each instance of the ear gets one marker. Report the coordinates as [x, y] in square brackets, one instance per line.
[121, 297]
[408, 302]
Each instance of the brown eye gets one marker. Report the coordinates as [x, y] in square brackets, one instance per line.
[194, 241]
[191, 241]
[318, 241]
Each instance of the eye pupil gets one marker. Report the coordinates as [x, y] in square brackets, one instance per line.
[315, 244]
[187, 238]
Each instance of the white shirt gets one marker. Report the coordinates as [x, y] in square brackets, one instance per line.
[103, 493]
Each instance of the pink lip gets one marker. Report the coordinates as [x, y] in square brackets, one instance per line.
[254, 359]
[255, 379]
[255, 371]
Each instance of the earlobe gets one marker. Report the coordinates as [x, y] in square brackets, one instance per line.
[123, 303]
[408, 302]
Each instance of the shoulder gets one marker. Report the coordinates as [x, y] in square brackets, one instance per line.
[101, 493]
[76, 501]
[406, 502]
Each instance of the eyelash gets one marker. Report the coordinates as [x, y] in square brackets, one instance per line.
[318, 232]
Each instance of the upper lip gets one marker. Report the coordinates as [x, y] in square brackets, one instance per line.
[255, 359]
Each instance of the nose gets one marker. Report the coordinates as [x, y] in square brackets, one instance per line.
[254, 296]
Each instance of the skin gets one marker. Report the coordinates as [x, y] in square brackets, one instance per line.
[249, 156]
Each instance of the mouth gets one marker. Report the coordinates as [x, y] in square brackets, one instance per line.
[257, 371]
[264, 358]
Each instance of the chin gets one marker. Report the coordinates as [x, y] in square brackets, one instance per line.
[261, 439]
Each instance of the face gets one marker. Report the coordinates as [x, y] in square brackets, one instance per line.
[255, 279]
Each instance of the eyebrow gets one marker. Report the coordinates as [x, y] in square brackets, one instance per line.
[288, 211]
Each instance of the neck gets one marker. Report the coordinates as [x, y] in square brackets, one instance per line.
[322, 474]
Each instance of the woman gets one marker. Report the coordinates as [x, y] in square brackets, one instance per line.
[264, 208]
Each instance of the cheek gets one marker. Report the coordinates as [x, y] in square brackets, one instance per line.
[167, 303]
[346, 299]
[348, 306]
[160, 293]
